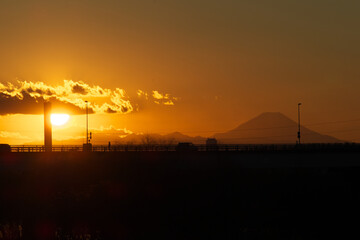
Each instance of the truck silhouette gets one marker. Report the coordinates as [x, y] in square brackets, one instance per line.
[186, 147]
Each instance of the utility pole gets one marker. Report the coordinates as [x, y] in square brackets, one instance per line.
[87, 147]
[299, 104]
[87, 123]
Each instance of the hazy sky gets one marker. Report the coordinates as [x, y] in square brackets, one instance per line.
[219, 62]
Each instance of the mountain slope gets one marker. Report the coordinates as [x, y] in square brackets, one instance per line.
[272, 128]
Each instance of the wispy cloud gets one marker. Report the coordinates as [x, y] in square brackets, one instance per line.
[158, 98]
[101, 135]
[141, 93]
[12, 135]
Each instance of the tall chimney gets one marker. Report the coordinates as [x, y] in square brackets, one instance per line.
[47, 127]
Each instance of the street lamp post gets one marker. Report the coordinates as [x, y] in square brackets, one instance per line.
[87, 123]
[299, 136]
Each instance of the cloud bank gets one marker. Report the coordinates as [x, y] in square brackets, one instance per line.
[27, 97]
[158, 98]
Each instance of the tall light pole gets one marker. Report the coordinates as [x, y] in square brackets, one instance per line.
[47, 127]
[87, 123]
[299, 104]
[87, 146]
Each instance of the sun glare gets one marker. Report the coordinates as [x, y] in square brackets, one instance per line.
[59, 119]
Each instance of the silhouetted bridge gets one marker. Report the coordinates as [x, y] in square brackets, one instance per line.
[201, 148]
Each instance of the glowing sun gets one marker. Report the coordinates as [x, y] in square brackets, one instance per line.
[59, 119]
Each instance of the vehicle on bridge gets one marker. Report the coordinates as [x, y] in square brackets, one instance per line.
[186, 147]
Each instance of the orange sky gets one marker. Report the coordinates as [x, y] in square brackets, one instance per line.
[216, 63]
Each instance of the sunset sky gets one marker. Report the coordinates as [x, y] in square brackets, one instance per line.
[159, 66]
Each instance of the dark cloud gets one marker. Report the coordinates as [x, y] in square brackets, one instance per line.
[124, 109]
[49, 92]
[14, 105]
[109, 110]
[27, 98]
[79, 89]
[30, 105]
[66, 107]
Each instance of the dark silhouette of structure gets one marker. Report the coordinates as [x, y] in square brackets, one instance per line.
[47, 127]
[212, 144]
[186, 147]
[5, 148]
[299, 104]
[244, 148]
[87, 146]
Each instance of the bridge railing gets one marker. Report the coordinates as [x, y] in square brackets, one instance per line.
[219, 147]
[39, 148]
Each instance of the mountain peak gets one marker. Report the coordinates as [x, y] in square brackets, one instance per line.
[271, 128]
[271, 114]
[176, 134]
[268, 120]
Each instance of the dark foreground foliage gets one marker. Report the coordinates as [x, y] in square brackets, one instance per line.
[172, 195]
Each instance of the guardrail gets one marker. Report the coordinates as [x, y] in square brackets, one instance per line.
[219, 147]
